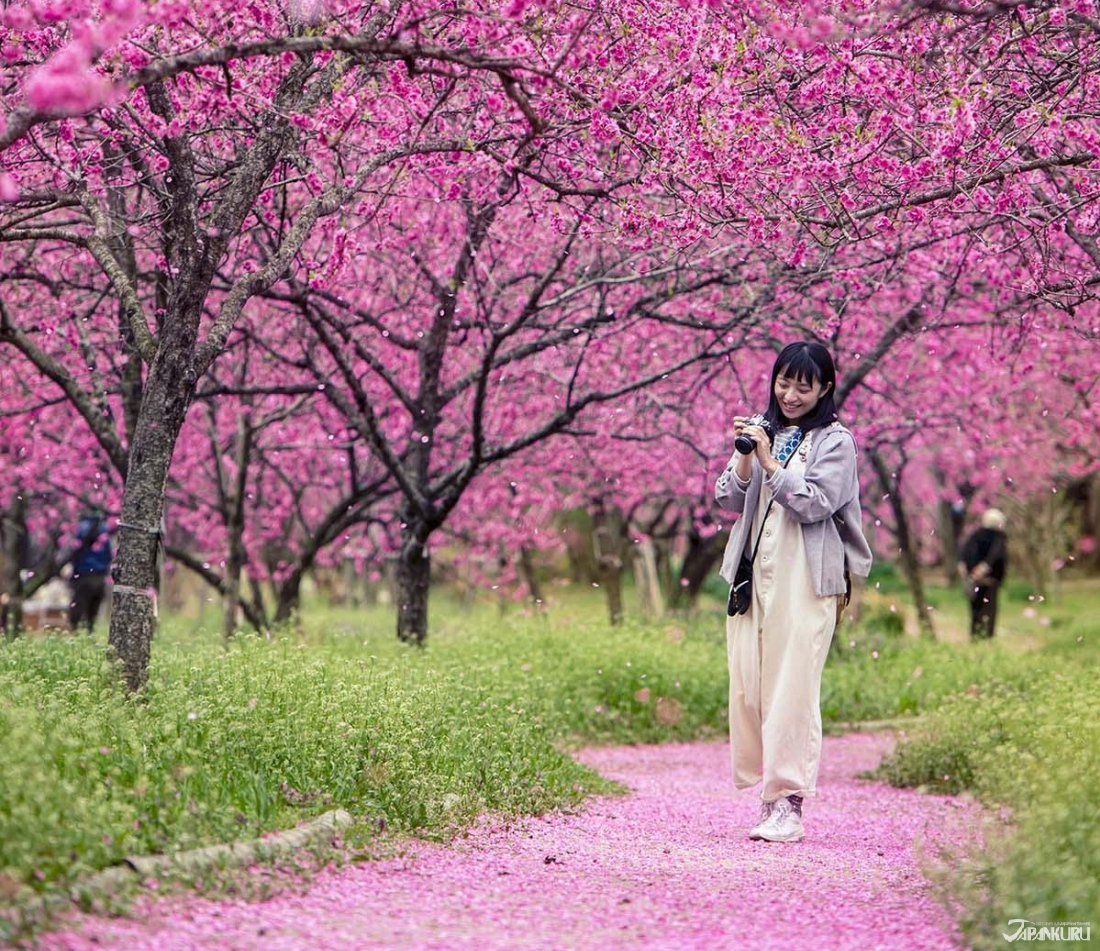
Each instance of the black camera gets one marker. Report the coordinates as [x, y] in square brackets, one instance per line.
[746, 444]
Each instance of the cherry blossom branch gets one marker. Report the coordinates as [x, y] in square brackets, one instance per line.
[964, 187]
[21, 120]
[261, 280]
[74, 391]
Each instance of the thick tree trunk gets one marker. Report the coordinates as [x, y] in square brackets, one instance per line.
[168, 392]
[413, 580]
[236, 555]
[910, 563]
[530, 576]
[13, 533]
[121, 244]
[134, 605]
[701, 557]
[949, 539]
[288, 596]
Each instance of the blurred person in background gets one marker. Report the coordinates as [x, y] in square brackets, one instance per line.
[982, 563]
[90, 563]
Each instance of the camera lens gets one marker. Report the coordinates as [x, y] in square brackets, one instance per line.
[744, 444]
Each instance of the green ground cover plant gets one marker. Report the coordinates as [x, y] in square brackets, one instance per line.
[230, 742]
[1028, 745]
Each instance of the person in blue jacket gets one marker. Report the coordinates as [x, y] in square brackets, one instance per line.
[91, 563]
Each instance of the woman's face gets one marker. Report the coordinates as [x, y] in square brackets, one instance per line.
[797, 397]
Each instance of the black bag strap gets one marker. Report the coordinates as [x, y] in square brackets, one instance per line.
[756, 547]
[842, 528]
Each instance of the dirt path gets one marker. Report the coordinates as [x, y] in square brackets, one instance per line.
[668, 867]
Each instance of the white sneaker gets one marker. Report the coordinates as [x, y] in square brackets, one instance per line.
[783, 825]
[765, 814]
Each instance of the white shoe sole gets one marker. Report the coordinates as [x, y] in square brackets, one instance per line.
[772, 837]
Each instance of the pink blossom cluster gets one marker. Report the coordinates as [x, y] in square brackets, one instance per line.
[588, 236]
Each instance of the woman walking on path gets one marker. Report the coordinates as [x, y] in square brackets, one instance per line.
[796, 488]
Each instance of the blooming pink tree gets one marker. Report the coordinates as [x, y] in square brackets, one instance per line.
[946, 211]
[176, 161]
[268, 480]
[914, 174]
[469, 330]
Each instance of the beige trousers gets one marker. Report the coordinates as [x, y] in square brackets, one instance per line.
[777, 653]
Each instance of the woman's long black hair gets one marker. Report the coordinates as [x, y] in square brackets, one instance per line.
[812, 363]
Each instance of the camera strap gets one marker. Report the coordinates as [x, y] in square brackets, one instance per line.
[789, 447]
[782, 457]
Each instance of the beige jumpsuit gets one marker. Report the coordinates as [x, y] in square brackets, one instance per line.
[777, 652]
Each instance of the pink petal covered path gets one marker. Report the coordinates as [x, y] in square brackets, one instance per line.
[668, 868]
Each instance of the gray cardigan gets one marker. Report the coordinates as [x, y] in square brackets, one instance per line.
[825, 500]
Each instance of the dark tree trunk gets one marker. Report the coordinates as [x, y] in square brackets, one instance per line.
[701, 557]
[949, 539]
[234, 563]
[236, 555]
[15, 539]
[910, 563]
[288, 596]
[122, 247]
[193, 254]
[168, 393]
[413, 580]
[530, 575]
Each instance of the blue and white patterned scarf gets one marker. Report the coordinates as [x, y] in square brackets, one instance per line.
[790, 442]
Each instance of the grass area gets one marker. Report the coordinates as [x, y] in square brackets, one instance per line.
[1024, 736]
[886, 670]
[229, 743]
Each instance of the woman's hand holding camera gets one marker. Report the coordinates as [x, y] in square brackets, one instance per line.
[748, 428]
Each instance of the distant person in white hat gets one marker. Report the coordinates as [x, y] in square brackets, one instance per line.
[982, 564]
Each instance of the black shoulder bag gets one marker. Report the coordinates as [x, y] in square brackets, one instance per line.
[741, 590]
